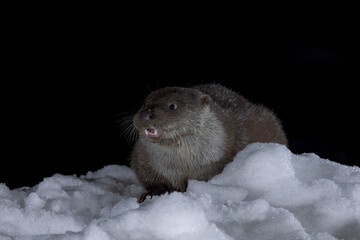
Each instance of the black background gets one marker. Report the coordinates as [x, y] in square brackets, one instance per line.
[71, 76]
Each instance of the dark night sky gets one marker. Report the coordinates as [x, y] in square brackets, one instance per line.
[67, 82]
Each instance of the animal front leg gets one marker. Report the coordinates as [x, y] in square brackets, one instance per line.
[154, 191]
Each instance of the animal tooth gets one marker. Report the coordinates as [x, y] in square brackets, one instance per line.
[155, 133]
[146, 132]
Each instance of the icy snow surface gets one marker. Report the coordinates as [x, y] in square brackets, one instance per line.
[265, 193]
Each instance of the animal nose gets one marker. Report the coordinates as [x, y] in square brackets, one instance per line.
[147, 115]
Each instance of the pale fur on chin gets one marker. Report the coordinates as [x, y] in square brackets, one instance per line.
[189, 157]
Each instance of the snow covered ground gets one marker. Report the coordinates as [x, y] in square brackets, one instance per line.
[265, 193]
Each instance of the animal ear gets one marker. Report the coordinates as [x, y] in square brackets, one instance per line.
[205, 99]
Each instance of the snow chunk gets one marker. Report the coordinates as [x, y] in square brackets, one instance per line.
[173, 216]
[4, 191]
[217, 192]
[259, 168]
[265, 193]
[33, 201]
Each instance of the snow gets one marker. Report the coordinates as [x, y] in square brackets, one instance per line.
[267, 192]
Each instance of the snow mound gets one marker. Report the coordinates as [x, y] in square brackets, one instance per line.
[265, 193]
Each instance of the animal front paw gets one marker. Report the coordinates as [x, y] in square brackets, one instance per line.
[154, 191]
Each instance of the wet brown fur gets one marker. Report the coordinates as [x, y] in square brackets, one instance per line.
[210, 125]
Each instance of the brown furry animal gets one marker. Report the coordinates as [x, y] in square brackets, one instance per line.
[192, 133]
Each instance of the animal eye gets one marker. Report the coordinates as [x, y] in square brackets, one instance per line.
[173, 106]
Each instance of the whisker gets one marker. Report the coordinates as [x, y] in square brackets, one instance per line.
[127, 128]
[133, 134]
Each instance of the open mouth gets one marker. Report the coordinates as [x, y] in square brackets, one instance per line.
[152, 134]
